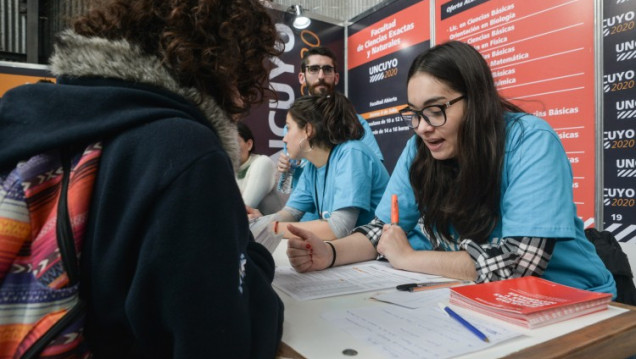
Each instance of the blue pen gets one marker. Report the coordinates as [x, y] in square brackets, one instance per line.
[463, 322]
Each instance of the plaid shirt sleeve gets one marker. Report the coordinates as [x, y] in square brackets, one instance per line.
[372, 230]
[513, 257]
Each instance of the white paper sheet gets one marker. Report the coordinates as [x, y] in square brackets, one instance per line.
[263, 234]
[426, 332]
[354, 278]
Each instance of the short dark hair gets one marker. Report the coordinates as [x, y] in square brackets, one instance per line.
[245, 133]
[319, 50]
[332, 116]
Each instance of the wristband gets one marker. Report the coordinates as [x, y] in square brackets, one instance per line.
[333, 250]
[275, 227]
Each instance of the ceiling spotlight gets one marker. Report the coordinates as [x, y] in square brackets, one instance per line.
[300, 21]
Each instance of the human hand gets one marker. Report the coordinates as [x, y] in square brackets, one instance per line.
[394, 245]
[283, 163]
[307, 252]
[253, 212]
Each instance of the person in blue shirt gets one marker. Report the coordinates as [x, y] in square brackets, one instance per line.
[489, 185]
[343, 180]
[319, 76]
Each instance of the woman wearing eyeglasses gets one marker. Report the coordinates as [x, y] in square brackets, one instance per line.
[489, 186]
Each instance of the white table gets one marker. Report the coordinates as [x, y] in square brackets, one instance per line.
[311, 337]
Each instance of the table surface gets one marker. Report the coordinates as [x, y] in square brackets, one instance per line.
[607, 334]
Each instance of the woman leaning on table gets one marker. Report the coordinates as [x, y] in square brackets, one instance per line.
[490, 186]
[343, 180]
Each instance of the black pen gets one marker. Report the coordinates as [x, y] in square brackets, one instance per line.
[415, 287]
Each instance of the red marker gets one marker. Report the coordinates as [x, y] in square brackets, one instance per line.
[395, 210]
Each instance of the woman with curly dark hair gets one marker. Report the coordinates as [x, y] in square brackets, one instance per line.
[484, 189]
[168, 268]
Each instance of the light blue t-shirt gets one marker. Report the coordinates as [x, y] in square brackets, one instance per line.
[368, 139]
[536, 201]
[353, 177]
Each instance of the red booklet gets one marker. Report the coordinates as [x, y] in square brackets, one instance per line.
[531, 302]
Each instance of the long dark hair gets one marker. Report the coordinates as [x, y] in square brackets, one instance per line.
[332, 116]
[463, 192]
[214, 46]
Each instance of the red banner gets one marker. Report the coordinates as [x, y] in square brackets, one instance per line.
[541, 54]
[401, 30]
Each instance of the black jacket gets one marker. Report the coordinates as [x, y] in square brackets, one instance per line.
[168, 268]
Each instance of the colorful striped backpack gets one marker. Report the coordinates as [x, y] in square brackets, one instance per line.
[44, 204]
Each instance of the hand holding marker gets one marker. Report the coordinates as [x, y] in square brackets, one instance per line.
[395, 210]
[395, 215]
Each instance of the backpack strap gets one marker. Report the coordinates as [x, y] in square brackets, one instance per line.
[64, 230]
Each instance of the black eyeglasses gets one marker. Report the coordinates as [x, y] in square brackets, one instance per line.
[434, 115]
[315, 69]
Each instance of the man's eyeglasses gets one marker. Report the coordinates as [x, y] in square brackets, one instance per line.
[434, 115]
[315, 69]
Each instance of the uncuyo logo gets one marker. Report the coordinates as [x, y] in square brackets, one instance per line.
[626, 167]
[619, 139]
[383, 70]
[619, 81]
[619, 23]
[625, 50]
[619, 197]
[625, 109]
